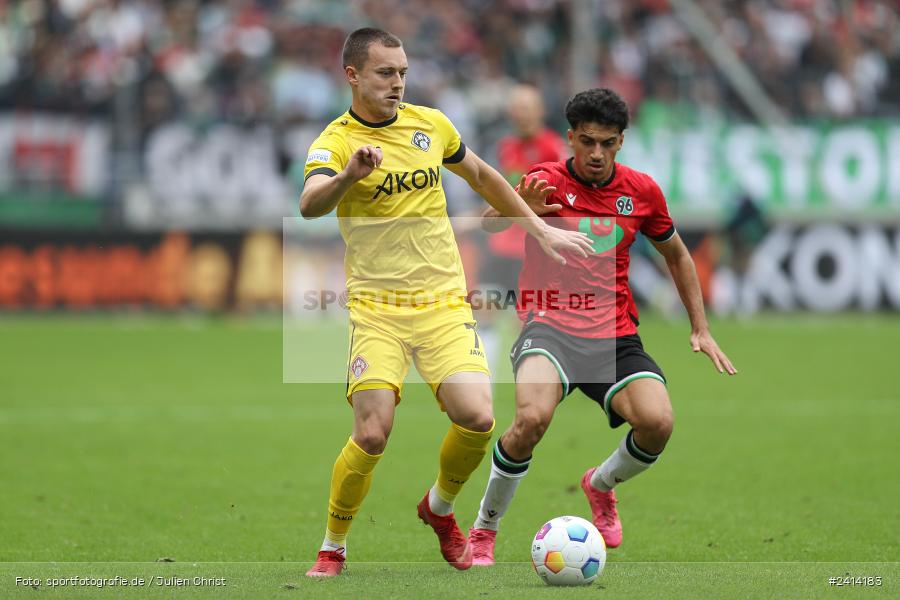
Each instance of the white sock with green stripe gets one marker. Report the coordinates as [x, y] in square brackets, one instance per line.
[624, 463]
[506, 473]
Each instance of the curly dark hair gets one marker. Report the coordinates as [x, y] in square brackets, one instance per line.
[598, 105]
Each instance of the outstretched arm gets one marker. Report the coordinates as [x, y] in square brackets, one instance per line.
[681, 266]
[485, 180]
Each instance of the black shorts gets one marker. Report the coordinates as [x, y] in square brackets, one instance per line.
[599, 367]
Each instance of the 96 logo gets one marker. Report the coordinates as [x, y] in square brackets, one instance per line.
[624, 205]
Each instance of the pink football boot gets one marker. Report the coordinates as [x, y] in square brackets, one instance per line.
[482, 542]
[603, 510]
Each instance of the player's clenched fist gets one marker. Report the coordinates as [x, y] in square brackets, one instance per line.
[363, 162]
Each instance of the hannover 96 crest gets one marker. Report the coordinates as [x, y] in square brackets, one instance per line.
[624, 205]
[421, 141]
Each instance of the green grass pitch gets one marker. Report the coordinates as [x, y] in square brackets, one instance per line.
[124, 440]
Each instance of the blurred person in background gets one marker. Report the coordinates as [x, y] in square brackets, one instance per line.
[530, 142]
[744, 230]
[379, 162]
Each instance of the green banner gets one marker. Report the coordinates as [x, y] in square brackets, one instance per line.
[31, 209]
[802, 172]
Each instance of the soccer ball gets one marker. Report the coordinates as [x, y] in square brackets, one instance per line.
[568, 551]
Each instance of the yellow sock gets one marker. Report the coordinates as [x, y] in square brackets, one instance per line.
[461, 453]
[350, 481]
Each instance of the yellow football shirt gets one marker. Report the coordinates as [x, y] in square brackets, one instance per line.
[394, 222]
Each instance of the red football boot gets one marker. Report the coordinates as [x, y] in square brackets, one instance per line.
[454, 546]
[328, 564]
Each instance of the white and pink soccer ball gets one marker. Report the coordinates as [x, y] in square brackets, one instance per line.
[568, 551]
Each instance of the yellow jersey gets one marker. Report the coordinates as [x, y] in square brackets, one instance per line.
[394, 222]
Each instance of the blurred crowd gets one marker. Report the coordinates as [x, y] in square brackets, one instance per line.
[277, 60]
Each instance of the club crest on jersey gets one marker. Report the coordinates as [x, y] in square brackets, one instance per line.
[624, 205]
[421, 141]
[358, 366]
